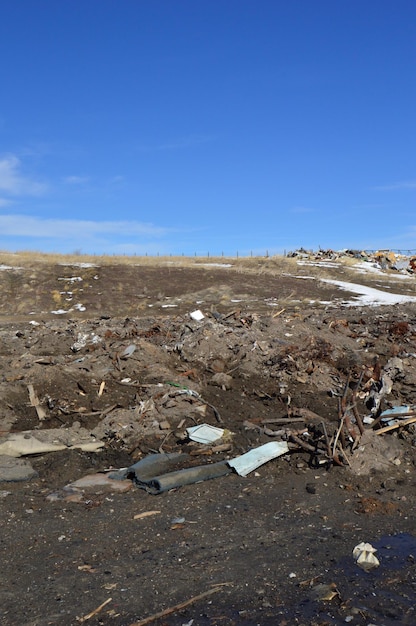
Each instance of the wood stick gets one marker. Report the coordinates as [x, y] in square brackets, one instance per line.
[304, 445]
[284, 420]
[34, 401]
[411, 420]
[94, 612]
[328, 447]
[341, 426]
[176, 607]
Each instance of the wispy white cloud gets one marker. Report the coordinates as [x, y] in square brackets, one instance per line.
[76, 180]
[116, 180]
[13, 182]
[406, 184]
[5, 202]
[37, 227]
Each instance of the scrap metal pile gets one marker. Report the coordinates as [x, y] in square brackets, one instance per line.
[382, 259]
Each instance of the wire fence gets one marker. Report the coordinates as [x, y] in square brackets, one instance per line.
[265, 254]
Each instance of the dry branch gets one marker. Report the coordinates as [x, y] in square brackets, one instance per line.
[176, 607]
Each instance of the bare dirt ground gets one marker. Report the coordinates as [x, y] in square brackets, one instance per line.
[110, 353]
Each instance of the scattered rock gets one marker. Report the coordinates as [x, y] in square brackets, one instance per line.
[15, 470]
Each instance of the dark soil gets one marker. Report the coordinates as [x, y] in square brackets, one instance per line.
[275, 546]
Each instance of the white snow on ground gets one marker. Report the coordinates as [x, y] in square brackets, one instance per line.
[81, 265]
[298, 276]
[215, 264]
[400, 276]
[369, 295]
[363, 267]
[330, 264]
[8, 267]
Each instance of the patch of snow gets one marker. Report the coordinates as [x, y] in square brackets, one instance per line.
[330, 264]
[81, 265]
[60, 311]
[370, 267]
[364, 267]
[80, 307]
[369, 295]
[402, 276]
[298, 276]
[73, 279]
[9, 267]
[215, 264]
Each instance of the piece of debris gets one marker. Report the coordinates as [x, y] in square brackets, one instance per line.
[251, 460]
[47, 440]
[204, 433]
[94, 612]
[197, 315]
[364, 554]
[145, 514]
[152, 473]
[176, 607]
[34, 401]
[325, 592]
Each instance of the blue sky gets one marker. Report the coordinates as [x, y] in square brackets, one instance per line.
[196, 126]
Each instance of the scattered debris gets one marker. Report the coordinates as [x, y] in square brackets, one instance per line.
[382, 260]
[318, 385]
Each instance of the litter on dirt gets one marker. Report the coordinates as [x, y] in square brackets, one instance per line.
[364, 554]
[253, 459]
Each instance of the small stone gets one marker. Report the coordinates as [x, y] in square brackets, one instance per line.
[15, 470]
[222, 380]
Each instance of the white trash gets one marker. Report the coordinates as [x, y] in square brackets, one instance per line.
[364, 555]
[251, 460]
[204, 433]
[197, 315]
